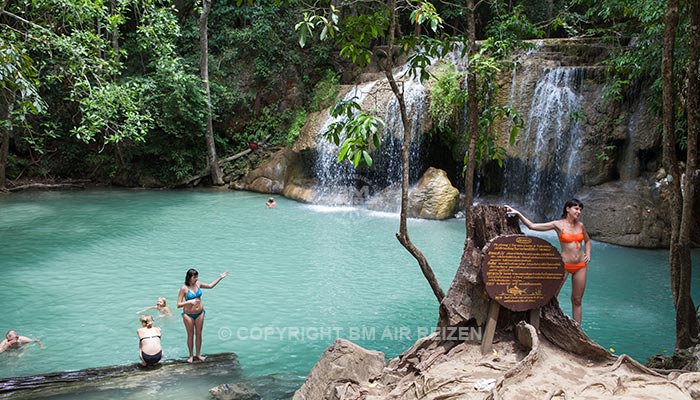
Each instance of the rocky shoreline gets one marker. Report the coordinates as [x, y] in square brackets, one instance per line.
[523, 365]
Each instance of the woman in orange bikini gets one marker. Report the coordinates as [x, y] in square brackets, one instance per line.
[571, 233]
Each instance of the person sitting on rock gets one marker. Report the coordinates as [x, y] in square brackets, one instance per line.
[150, 350]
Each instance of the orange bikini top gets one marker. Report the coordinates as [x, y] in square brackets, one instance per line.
[571, 238]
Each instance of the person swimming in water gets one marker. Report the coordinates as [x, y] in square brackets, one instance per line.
[571, 233]
[190, 300]
[161, 306]
[15, 341]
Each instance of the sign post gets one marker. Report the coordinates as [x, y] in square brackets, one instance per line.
[520, 273]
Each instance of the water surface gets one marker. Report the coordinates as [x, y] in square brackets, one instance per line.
[77, 266]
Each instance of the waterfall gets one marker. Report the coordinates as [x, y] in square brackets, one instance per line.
[341, 183]
[334, 180]
[547, 173]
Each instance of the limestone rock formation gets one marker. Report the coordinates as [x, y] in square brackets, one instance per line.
[101, 380]
[340, 372]
[433, 197]
[235, 391]
[272, 176]
[627, 214]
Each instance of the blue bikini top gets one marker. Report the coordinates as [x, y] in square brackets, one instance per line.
[191, 295]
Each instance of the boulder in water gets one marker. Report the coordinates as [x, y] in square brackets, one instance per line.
[235, 391]
[340, 372]
[272, 176]
[433, 197]
[626, 213]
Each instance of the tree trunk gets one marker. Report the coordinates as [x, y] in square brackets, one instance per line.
[691, 167]
[466, 301]
[216, 174]
[568, 335]
[679, 258]
[5, 138]
[472, 123]
[115, 32]
[402, 235]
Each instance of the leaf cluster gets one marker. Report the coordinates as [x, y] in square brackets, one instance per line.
[359, 129]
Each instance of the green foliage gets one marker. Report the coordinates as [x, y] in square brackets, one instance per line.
[616, 22]
[487, 147]
[269, 122]
[311, 22]
[426, 14]
[505, 33]
[358, 33]
[325, 92]
[430, 49]
[605, 154]
[114, 112]
[444, 98]
[361, 132]
[295, 128]
[72, 45]
[18, 82]
[38, 141]
[354, 35]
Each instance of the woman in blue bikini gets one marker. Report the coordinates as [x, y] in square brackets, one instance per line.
[190, 300]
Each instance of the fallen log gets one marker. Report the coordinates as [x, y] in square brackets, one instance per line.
[47, 186]
[206, 172]
[115, 377]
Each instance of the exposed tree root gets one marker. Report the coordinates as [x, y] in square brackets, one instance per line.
[565, 333]
[634, 364]
[526, 334]
[555, 393]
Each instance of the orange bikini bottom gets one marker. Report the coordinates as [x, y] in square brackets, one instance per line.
[572, 268]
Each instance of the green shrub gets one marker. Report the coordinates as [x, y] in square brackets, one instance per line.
[325, 92]
[443, 97]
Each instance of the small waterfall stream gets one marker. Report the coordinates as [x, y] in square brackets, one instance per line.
[341, 183]
[335, 179]
[547, 173]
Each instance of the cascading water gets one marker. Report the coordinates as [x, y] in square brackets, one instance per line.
[547, 172]
[341, 183]
[335, 180]
[540, 176]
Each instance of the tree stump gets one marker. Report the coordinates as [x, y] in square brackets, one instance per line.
[466, 302]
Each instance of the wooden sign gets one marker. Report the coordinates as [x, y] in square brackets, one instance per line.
[521, 272]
